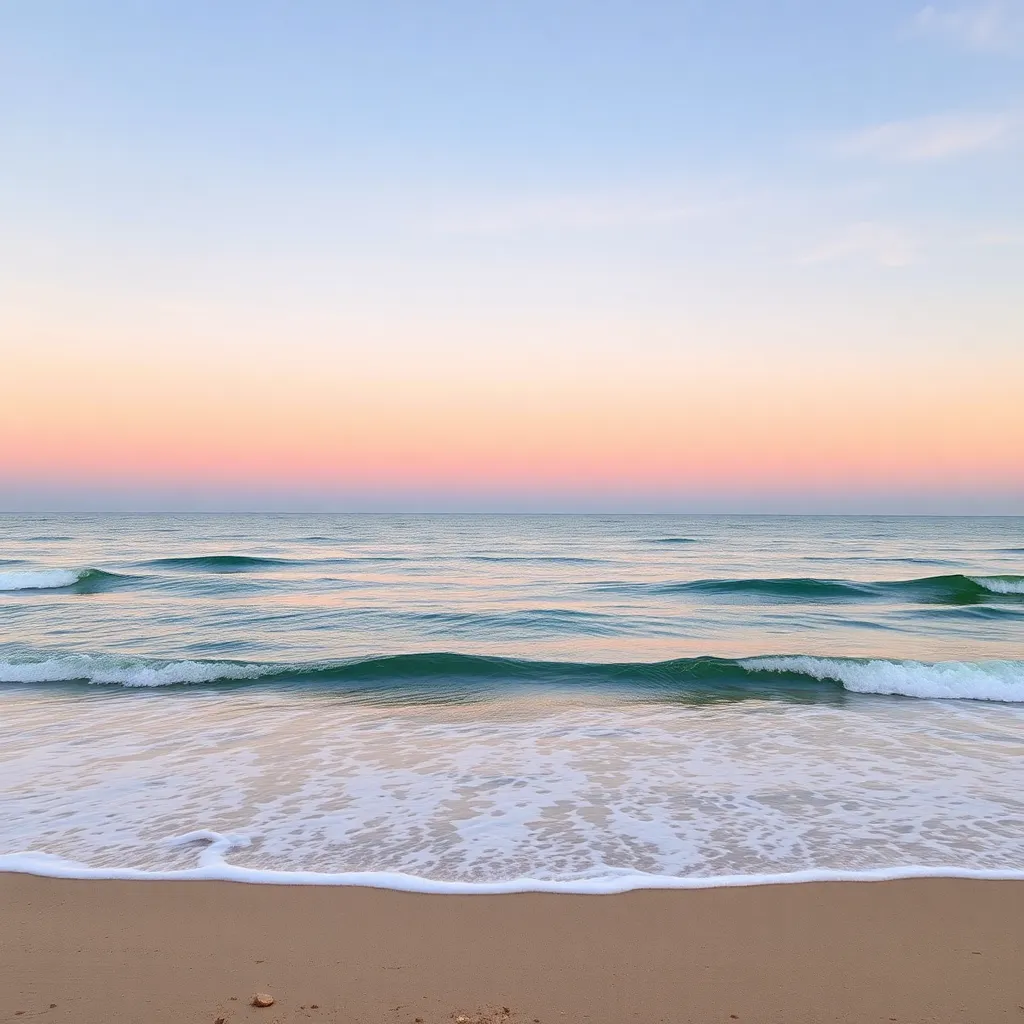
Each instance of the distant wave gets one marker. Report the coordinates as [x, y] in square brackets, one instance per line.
[675, 540]
[706, 678]
[953, 588]
[218, 563]
[525, 620]
[996, 611]
[907, 561]
[81, 580]
[252, 563]
[806, 588]
[556, 559]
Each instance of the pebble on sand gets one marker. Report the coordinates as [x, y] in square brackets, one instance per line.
[262, 999]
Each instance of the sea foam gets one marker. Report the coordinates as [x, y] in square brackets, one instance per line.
[124, 672]
[993, 680]
[40, 579]
[1000, 584]
[547, 793]
[213, 866]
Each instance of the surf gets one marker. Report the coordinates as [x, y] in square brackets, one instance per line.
[952, 588]
[708, 678]
[80, 580]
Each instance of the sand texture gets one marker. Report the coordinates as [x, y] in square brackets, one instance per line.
[925, 950]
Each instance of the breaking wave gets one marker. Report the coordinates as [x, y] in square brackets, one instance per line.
[948, 680]
[1000, 584]
[80, 580]
[454, 677]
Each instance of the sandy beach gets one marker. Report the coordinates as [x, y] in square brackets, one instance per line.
[926, 950]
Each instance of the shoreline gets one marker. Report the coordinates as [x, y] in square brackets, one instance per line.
[213, 867]
[921, 949]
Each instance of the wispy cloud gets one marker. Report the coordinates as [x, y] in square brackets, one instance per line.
[997, 26]
[938, 137]
[879, 243]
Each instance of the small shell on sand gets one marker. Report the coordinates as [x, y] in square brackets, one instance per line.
[262, 999]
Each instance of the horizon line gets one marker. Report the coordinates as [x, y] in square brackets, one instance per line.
[509, 512]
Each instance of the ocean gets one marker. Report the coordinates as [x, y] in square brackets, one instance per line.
[480, 703]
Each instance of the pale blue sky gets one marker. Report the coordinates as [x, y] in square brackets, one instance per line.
[248, 178]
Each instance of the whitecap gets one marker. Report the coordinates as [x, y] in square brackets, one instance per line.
[40, 579]
[988, 680]
[1000, 584]
[124, 672]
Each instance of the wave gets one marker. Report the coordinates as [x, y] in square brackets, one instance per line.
[39, 579]
[224, 564]
[805, 588]
[516, 622]
[958, 588]
[953, 588]
[1000, 584]
[901, 561]
[996, 611]
[448, 675]
[539, 559]
[132, 672]
[674, 540]
[219, 563]
[991, 681]
[79, 580]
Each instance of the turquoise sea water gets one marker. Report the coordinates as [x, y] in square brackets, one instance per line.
[464, 699]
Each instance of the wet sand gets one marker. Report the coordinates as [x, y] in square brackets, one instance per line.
[923, 950]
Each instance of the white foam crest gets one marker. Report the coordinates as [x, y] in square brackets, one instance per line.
[124, 672]
[988, 680]
[1000, 584]
[213, 866]
[40, 579]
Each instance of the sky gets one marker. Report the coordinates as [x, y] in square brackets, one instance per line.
[531, 255]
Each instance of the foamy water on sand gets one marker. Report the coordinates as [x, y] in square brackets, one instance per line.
[634, 700]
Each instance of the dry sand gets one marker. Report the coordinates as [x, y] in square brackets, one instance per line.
[102, 951]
